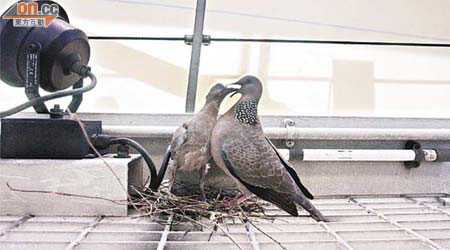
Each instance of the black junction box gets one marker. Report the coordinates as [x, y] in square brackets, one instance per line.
[45, 138]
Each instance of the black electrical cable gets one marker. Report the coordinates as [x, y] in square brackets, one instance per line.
[164, 165]
[154, 182]
[56, 95]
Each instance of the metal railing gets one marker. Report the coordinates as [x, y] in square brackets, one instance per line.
[199, 39]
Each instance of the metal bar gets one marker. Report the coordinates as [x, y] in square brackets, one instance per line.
[425, 240]
[195, 55]
[301, 133]
[299, 225]
[380, 195]
[16, 224]
[252, 236]
[338, 238]
[165, 234]
[131, 245]
[267, 224]
[74, 244]
[358, 134]
[330, 42]
[263, 40]
[428, 206]
[136, 38]
[346, 215]
[140, 131]
[444, 200]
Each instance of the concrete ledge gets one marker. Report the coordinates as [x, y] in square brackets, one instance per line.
[87, 177]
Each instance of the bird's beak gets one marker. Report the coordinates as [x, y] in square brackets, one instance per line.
[234, 88]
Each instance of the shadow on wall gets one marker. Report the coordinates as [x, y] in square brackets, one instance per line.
[131, 63]
[128, 62]
[268, 105]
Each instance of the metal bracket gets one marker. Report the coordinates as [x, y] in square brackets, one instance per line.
[33, 82]
[76, 99]
[33, 77]
[420, 155]
[288, 123]
[430, 155]
[188, 39]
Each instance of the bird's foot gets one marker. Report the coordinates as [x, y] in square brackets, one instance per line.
[319, 217]
[236, 201]
[202, 195]
[202, 176]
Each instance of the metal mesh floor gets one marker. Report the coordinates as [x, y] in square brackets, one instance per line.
[358, 222]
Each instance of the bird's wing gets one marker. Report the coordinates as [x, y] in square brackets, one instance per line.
[282, 200]
[179, 138]
[291, 172]
[256, 162]
[253, 162]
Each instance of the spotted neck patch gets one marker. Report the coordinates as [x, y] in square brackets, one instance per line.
[247, 112]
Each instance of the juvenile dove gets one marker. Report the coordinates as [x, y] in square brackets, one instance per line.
[189, 149]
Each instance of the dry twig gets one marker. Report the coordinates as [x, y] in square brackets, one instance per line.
[63, 194]
[88, 140]
[259, 229]
[187, 207]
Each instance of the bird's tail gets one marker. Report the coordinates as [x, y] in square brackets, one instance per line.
[309, 207]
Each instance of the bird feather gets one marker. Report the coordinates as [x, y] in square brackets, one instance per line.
[292, 172]
[281, 200]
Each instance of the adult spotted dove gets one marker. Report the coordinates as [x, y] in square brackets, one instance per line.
[189, 149]
[240, 148]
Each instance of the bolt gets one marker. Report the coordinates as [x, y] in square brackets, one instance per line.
[56, 108]
[289, 143]
[288, 123]
[123, 151]
[56, 112]
[32, 47]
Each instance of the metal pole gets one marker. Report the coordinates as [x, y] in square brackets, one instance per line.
[277, 133]
[195, 55]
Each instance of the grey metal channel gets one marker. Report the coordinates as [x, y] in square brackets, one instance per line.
[356, 222]
[197, 43]
[322, 178]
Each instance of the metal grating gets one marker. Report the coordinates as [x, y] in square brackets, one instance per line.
[358, 222]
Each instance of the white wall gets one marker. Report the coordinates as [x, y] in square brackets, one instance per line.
[151, 77]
